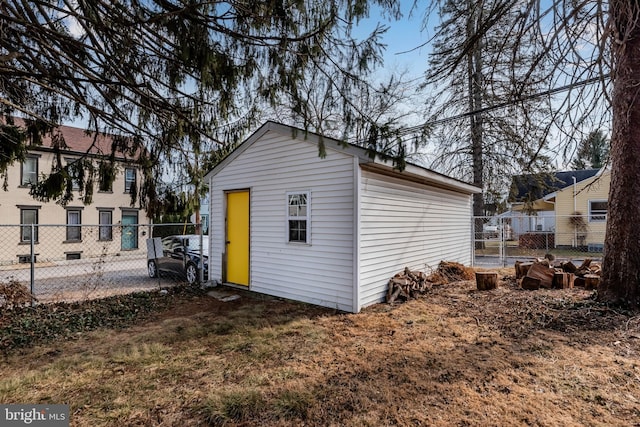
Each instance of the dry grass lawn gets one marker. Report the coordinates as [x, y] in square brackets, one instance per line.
[454, 357]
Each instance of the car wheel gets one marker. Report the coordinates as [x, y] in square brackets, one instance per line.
[152, 268]
[192, 274]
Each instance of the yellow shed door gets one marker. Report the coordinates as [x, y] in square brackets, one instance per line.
[238, 238]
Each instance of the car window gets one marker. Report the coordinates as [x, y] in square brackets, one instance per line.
[166, 243]
[176, 243]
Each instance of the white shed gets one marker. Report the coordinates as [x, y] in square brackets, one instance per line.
[328, 231]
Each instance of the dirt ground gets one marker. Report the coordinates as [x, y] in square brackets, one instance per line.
[453, 357]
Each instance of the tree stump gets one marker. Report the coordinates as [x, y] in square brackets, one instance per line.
[591, 281]
[530, 283]
[522, 268]
[486, 280]
[561, 280]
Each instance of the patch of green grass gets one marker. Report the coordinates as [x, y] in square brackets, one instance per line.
[293, 404]
[223, 328]
[144, 353]
[238, 405]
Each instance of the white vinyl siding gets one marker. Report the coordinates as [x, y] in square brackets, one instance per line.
[320, 272]
[403, 224]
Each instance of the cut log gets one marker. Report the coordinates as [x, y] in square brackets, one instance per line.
[572, 278]
[569, 267]
[578, 282]
[585, 264]
[486, 280]
[543, 273]
[530, 283]
[522, 268]
[591, 281]
[407, 284]
[561, 280]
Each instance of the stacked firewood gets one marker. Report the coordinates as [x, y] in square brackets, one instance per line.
[408, 284]
[543, 274]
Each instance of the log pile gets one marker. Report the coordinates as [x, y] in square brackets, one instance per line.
[408, 284]
[542, 274]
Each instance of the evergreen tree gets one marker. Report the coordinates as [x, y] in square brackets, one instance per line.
[470, 70]
[169, 76]
[593, 152]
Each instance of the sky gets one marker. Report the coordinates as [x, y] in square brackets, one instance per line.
[403, 38]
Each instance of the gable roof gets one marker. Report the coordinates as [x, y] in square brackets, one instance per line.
[527, 188]
[411, 172]
[76, 140]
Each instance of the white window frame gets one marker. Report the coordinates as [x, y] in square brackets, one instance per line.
[74, 227]
[25, 229]
[29, 177]
[290, 216]
[105, 229]
[75, 180]
[128, 183]
[598, 215]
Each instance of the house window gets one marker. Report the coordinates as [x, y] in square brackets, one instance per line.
[106, 221]
[74, 219]
[129, 179]
[298, 214]
[75, 171]
[597, 210]
[28, 216]
[29, 171]
[107, 175]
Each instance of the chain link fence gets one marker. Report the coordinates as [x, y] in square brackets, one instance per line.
[51, 263]
[502, 240]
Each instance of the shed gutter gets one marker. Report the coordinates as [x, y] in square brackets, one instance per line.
[420, 175]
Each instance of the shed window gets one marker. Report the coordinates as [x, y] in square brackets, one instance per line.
[597, 210]
[298, 217]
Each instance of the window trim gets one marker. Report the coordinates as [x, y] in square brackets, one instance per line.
[102, 226]
[306, 218]
[598, 214]
[75, 181]
[102, 179]
[36, 158]
[70, 226]
[24, 226]
[132, 183]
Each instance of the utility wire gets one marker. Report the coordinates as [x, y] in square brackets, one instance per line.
[417, 128]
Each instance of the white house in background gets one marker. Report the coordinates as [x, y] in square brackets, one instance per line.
[328, 231]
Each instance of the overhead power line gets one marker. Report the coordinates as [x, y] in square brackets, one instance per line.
[417, 128]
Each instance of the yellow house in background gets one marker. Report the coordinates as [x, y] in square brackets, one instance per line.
[581, 212]
[577, 210]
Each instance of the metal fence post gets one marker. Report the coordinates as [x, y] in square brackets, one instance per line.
[32, 262]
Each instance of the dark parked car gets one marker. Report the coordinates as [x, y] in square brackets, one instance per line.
[181, 256]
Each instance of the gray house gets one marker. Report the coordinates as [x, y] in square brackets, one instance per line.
[328, 231]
